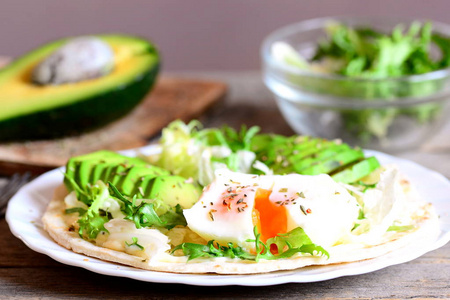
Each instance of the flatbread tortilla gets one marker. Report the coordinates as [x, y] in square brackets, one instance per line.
[55, 223]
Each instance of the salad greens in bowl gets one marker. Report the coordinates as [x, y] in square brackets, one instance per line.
[379, 83]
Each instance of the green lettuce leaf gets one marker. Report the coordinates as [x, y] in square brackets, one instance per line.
[144, 214]
[287, 245]
[93, 220]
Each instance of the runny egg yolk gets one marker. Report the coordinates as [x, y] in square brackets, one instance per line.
[270, 219]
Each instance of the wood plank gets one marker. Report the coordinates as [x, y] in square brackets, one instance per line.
[172, 98]
[396, 282]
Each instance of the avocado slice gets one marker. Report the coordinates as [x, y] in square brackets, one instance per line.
[330, 164]
[134, 177]
[101, 165]
[357, 170]
[173, 190]
[89, 171]
[72, 164]
[321, 155]
[58, 110]
[143, 186]
[313, 147]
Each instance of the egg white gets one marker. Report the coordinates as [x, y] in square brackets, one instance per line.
[319, 205]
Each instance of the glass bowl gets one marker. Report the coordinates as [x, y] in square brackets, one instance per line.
[388, 114]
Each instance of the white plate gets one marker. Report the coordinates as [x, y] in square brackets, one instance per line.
[28, 205]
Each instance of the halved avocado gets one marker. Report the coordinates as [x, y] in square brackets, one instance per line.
[30, 111]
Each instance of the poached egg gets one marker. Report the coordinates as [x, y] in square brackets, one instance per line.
[232, 205]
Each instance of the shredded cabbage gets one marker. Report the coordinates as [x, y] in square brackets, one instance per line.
[192, 152]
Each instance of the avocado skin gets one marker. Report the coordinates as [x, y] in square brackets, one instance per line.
[78, 117]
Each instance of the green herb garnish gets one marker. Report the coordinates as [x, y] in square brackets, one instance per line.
[144, 214]
[93, 220]
[288, 244]
[79, 210]
[134, 243]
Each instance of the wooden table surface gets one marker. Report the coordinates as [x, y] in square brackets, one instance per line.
[25, 274]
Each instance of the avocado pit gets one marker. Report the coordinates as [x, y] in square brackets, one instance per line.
[80, 59]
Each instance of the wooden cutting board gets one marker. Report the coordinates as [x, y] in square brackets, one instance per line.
[171, 99]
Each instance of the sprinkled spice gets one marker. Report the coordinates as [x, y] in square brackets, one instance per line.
[302, 208]
[240, 200]
[301, 195]
[283, 190]
[211, 215]
[308, 210]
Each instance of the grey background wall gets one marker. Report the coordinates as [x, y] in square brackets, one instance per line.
[191, 34]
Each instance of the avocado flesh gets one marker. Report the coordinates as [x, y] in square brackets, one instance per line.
[301, 151]
[355, 172]
[134, 177]
[143, 186]
[330, 164]
[91, 170]
[173, 190]
[314, 148]
[100, 165]
[31, 111]
[318, 156]
[72, 166]
[279, 147]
